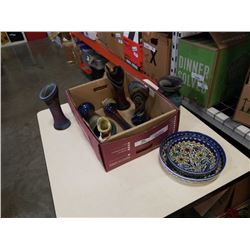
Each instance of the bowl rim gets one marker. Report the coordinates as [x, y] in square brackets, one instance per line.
[221, 156]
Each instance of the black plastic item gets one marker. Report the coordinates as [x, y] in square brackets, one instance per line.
[15, 36]
[97, 64]
[96, 74]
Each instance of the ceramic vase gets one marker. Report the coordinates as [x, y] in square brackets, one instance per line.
[170, 87]
[49, 94]
[104, 127]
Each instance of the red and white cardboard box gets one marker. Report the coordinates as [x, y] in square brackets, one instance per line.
[129, 144]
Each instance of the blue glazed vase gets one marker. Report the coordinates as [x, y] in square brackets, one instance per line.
[49, 94]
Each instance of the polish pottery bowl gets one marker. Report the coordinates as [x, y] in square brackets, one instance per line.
[193, 156]
[202, 147]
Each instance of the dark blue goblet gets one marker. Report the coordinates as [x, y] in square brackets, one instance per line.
[110, 109]
[86, 110]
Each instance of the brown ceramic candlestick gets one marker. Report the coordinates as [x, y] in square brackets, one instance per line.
[117, 80]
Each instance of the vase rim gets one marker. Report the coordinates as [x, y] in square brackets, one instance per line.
[43, 95]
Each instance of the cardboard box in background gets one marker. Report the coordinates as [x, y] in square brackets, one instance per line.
[232, 197]
[68, 51]
[53, 35]
[77, 55]
[156, 54]
[64, 40]
[126, 145]
[213, 66]
[242, 111]
[217, 205]
[56, 38]
[222, 205]
[113, 41]
[68, 46]
[203, 207]
[241, 193]
[132, 45]
[91, 35]
[4, 38]
[102, 37]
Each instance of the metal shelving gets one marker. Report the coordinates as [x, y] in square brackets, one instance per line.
[95, 45]
[218, 118]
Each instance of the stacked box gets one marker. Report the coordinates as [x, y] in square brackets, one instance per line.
[4, 38]
[156, 53]
[113, 41]
[242, 112]
[213, 66]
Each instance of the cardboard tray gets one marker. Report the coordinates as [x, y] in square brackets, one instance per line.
[242, 112]
[129, 144]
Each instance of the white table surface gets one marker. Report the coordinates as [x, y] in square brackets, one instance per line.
[140, 188]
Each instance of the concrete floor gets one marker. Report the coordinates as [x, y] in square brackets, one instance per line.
[25, 70]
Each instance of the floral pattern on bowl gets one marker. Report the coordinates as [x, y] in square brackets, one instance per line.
[192, 155]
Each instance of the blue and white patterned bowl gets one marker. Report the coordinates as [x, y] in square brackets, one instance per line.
[188, 175]
[192, 156]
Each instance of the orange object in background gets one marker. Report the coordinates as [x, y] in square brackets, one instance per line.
[132, 46]
[32, 36]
